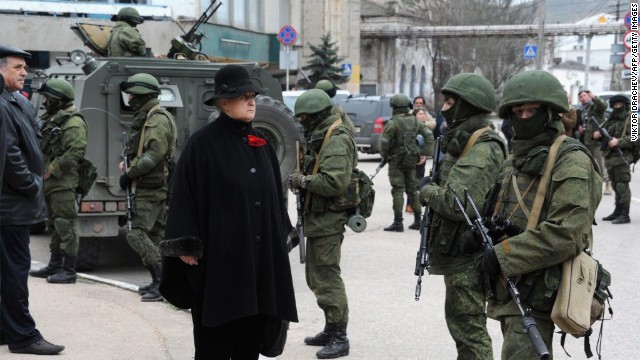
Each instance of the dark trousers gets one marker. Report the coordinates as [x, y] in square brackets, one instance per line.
[236, 340]
[16, 324]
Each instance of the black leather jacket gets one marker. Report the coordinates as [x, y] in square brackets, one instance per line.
[22, 197]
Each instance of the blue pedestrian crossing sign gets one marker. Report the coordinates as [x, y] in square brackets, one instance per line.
[346, 69]
[530, 52]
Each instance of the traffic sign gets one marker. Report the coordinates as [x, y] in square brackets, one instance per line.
[530, 52]
[287, 35]
[346, 69]
[627, 20]
[629, 38]
[626, 60]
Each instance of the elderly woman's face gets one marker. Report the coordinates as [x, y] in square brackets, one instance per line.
[242, 108]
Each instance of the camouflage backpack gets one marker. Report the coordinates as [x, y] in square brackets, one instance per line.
[408, 150]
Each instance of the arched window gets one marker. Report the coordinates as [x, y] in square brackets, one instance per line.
[412, 86]
[403, 78]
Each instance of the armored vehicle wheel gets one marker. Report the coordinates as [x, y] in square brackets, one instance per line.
[88, 253]
[276, 121]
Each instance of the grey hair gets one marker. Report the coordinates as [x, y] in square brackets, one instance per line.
[3, 62]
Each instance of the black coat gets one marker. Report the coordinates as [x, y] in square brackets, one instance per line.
[22, 191]
[227, 208]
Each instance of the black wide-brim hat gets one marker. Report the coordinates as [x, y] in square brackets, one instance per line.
[232, 81]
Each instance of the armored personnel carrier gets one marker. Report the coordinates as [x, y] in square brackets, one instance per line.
[184, 84]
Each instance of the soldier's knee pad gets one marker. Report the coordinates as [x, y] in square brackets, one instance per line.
[63, 226]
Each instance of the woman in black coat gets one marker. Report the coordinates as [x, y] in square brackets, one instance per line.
[225, 252]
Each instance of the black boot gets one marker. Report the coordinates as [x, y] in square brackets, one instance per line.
[416, 222]
[623, 218]
[322, 338]
[614, 214]
[397, 224]
[67, 274]
[55, 264]
[338, 344]
[154, 288]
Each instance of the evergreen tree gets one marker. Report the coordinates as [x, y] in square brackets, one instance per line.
[325, 63]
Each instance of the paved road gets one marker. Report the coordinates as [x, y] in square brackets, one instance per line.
[385, 320]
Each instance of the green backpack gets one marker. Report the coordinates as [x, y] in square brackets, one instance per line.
[408, 149]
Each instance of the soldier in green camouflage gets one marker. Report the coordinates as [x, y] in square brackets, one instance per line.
[64, 144]
[533, 100]
[331, 89]
[152, 141]
[400, 131]
[327, 169]
[592, 107]
[473, 155]
[619, 128]
[125, 39]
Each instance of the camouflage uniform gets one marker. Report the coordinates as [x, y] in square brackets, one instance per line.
[595, 109]
[535, 256]
[64, 145]
[149, 172]
[323, 226]
[619, 124]
[403, 179]
[125, 40]
[476, 171]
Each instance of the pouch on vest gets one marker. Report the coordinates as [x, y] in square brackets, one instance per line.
[87, 175]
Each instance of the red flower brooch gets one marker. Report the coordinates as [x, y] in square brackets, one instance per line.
[256, 141]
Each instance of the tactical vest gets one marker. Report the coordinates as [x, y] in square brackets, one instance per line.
[52, 134]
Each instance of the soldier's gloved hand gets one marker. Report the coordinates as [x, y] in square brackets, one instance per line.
[424, 182]
[490, 263]
[470, 242]
[125, 181]
[296, 181]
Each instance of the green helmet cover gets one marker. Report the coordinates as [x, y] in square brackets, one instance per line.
[399, 101]
[128, 14]
[533, 86]
[474, 89]
[140, 84]
[619, 98]
[57, 89]
[312, 101]
[324, 85]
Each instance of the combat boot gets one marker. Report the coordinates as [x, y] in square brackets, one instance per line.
[623, 218]
[55, 264]
[397, 224]
[607, 188]
[67, 274]
[322, 338]
[338, 344]
[416, 222]
[154, 288]
[614, 214]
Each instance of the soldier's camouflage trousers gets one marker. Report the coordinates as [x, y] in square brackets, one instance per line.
[465, 314]
[147, 229]
[63, 211]
[322, 271]
[620, 177]
[404, 180]
[517, 344]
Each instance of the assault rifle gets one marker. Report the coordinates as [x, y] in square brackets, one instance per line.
[605, 138]
[422, 257]
[190, 44]
[129, 192]
[528, 322]
[300, 209]
[380, 166]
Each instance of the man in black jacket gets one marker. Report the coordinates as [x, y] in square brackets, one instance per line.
[22, 205]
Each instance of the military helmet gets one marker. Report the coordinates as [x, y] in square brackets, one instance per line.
[399, 101]
[619, 98]
[472, 88]
[140, 84]
[533, 86]
[312, 101]
[324, 85]
[57, 89]
[128, 14]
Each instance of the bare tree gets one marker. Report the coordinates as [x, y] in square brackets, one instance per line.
[496, 58]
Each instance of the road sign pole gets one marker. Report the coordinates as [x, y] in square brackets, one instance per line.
[288, 64]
